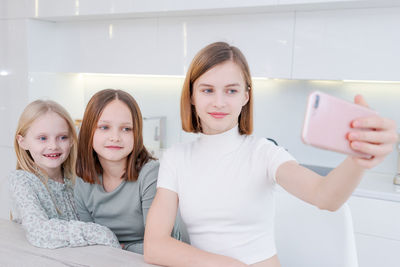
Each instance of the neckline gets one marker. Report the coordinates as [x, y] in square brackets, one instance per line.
[101, 186]
[225, 141]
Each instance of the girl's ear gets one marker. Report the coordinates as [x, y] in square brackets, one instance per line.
[21, 142]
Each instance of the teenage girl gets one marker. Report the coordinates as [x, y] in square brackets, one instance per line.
[118, 175]
[224, 181]
[41, 188]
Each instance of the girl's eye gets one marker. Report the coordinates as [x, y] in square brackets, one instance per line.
[42, 138]
[207, 91]
[64, 137]
[127, 129]
[103, 127]
[232, 91]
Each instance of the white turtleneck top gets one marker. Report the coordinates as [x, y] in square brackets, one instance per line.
[225, 185]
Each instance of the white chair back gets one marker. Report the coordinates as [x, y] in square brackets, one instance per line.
[309, 237]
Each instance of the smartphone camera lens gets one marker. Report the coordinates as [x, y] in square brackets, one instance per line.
[316, 103]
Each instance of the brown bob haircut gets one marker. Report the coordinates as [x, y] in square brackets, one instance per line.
[207, 58]
[88, 166]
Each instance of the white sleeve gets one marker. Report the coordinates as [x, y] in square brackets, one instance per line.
[167, 175]
[274, 156]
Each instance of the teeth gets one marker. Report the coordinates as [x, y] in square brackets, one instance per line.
[53, 156]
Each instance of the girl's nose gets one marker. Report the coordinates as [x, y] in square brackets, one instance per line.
[114, 137]
[219, 99]
[53, 144]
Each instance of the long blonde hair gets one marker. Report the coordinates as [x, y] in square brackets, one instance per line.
[31, 112]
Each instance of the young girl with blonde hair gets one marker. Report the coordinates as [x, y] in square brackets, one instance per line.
[41, 187]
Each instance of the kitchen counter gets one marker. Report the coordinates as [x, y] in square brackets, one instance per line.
[373, 185]
[16, 251]
[378, 186]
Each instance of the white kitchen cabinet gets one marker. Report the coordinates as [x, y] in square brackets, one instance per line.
[353, 44]
[376, 217]
[17, 9]
[376, 251]
[265, 39]
[160, 46]
[376, 226]
[171, 46]
[308, 2]
[119, 46]
[63, 10]
[136, 46]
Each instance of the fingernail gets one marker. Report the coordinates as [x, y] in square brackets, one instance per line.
[356, 124]
[355, 144]
[353, 136]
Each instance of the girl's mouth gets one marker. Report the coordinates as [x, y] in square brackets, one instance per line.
[52, 155]
[114, 147]
[218, 115]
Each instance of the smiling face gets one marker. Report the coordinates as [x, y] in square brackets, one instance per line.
[49, 142]
[218, 96]
[113, 137]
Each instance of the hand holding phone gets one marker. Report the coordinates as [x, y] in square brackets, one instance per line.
[328, 121]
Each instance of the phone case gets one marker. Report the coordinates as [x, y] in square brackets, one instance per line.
[328, 121]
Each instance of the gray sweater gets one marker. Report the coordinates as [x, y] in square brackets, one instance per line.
[123, 210]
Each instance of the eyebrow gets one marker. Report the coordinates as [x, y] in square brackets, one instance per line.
[205, 84]
[122, 123]
[228, 85]
[44, 133]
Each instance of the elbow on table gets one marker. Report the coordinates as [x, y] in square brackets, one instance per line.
[40, 242]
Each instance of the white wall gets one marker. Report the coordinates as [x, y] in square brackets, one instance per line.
[65, 88]
[13, 96]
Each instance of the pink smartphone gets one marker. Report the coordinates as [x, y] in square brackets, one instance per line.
[328, 121]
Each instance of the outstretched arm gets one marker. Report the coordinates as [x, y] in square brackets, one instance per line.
[332, 191]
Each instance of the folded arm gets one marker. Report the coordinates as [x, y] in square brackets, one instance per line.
[41, 231]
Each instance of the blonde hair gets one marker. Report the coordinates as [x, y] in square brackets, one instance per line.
[205, 59]
[31, 112]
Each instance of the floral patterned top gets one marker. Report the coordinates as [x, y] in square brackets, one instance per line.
[48, 215]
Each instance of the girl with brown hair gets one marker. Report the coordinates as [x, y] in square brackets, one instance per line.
[117, 174]
[224, 181]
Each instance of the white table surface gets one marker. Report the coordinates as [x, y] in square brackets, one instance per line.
[15, 250]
